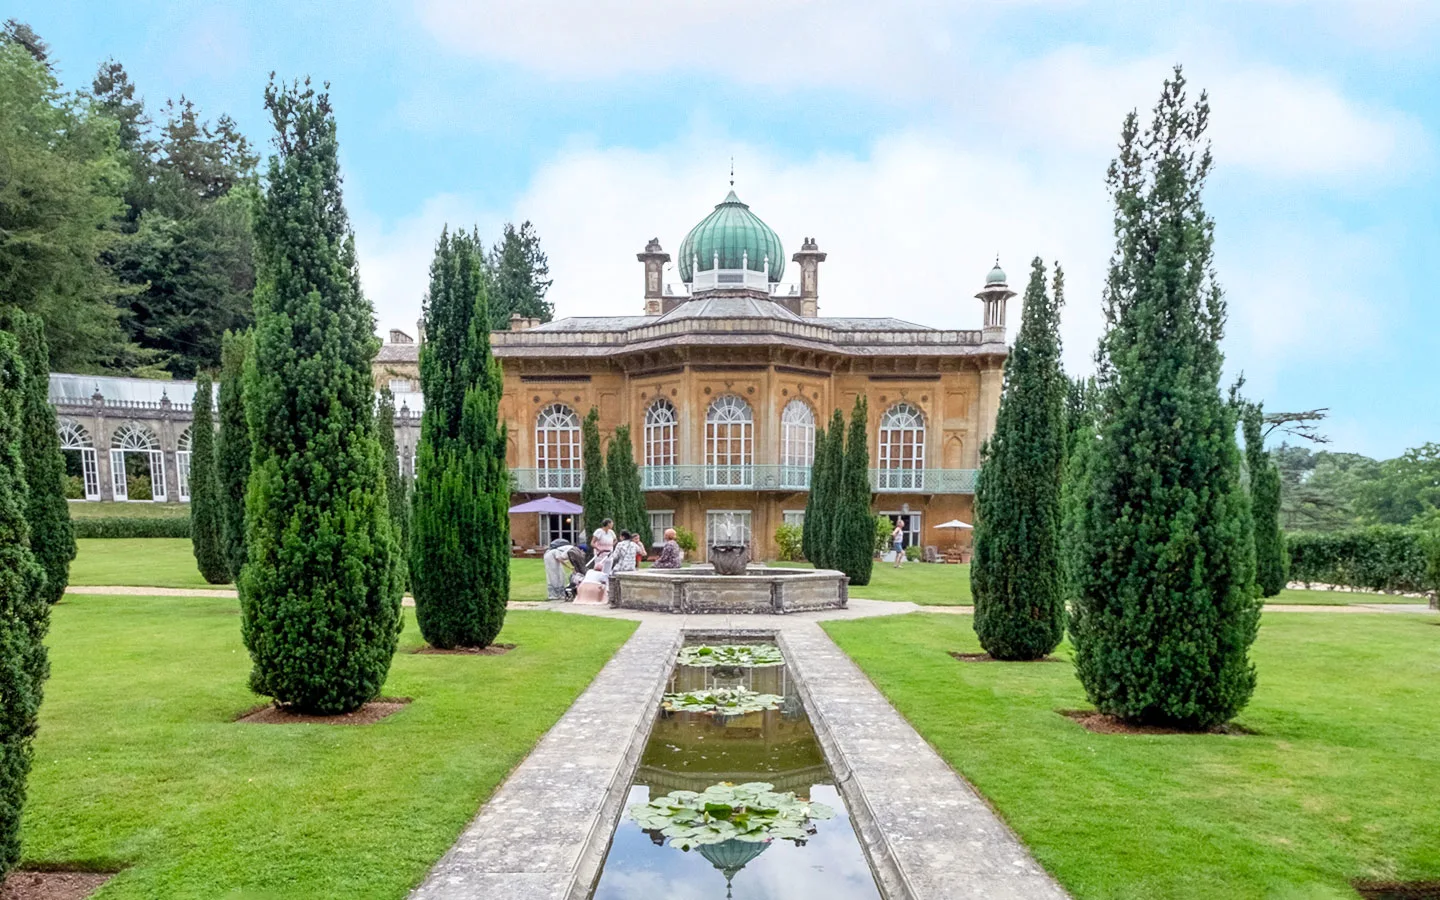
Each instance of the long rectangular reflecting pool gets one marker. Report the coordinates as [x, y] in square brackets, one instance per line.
[745, 757]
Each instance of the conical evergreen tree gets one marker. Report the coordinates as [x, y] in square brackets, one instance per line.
[460, 532]
[828, 474]
[1271, 560]
[51, 537]
[320, 589]
[232, 448]
[207, 514]
[396, 485]
[814, 519]
[596, 494]
[852, 538]
[1017, 573]
[624, 477]
[24, 612]
[1167, 609]
[1080, 439]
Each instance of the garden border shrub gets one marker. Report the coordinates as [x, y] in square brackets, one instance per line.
[131, 527]
[1377, 558]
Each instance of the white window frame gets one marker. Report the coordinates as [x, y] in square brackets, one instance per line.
[74, 436]
[914, 531]
[713, 516]
[902, 448]
[550, 529]
[660, 519]
[729, 443]
[797, 444]
[132, 437]
[793, 517]
[182, 463]
[557, 442]
[662, 448]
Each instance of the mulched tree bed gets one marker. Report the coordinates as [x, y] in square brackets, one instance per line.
[492, 650]
[29, 884]
[370, 713]
[985, 657]
[1399, 890]
[1101, 723]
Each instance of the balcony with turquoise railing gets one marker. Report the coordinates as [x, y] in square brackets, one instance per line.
[752, 478]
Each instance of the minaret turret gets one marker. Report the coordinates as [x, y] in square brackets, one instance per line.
[809, 259]
[654, 259]
[994, 296]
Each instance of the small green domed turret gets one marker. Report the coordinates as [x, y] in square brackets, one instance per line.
[737, 237]
[997, 274]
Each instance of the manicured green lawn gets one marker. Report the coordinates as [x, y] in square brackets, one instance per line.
[1341, 781]
[138, 764]
[99, 509]
[1288, 597]
[139, 562]
[928, 584]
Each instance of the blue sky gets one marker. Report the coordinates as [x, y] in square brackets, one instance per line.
[913, 139]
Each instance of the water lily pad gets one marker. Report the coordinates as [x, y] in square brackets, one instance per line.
[743, 656]
[751, 812]
[722, 702]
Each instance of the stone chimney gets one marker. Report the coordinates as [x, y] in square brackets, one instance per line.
[809, 258]
[654, 259]
[522, 323]
[399, 337]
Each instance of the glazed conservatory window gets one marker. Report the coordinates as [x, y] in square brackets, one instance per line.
[133, 449]
[661, 423]
[78, 449]
[557, 448]
[182, 465]
[729, 443]
[797, 444]
[902, 449]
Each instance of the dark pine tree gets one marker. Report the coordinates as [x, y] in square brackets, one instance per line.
[395, 483]
[232, 449]
[52, 539]
[827, 500]
[460, 531]
[1017, 574]
[320, 589]
[814, 518]
[518, 270]
[1167, 608]
[596, 495]
[624, 477]
[1271, 560]
[1079, 444]
[852, 537]
[24, 614]
[207, 509]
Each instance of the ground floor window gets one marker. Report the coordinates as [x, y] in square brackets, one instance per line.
[558, 525]
[727, 526]
[794, 517]
[911, 521]
[182, 474]
[660, 519]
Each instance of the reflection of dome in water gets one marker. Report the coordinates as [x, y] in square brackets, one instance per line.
[731, 856]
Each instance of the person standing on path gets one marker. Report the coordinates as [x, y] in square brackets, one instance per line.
[897, 542]
[555, 571]
[602, 542]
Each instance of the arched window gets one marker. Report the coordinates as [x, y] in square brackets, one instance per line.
[729, 443]
[797, 444]
[902, 449]
[182, 464]
[135, 456]
[557, 449]
[660, 454]
[78, 448]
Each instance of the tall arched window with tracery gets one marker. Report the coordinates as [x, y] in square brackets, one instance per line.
[135, 455]
[661, 425]
[729, 443]
[182, 464]
[902, 449]
[557, 449]
[797, 444]
[78, 448]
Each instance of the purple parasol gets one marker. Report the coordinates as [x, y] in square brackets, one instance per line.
[548, 504]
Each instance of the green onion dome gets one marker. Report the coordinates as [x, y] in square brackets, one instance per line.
[736, 234]
[996, 276]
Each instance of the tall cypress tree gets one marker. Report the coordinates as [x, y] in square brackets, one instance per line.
[52, 539]
[1017, 574]
[460, 531]
[395, 483]
[207, 513]
[1167, 608]
[596, 494]
[24, 612]
[852, 538]
[320, 588]
[1271, 560]
[232, 448]
[1075, 488]
[814, 519]
[827, 489]
[624, 477]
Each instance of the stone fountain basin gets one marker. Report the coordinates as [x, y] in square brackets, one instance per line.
[699, 589]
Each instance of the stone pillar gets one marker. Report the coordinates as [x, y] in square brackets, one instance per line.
[809, 259]
[654, 259]
[101, 437]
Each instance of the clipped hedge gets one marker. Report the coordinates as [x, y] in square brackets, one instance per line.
[131, 527]
[1378, 558]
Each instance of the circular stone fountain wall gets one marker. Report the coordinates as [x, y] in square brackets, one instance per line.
[699, 589]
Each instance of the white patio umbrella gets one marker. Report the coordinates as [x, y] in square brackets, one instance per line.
[955, 525]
